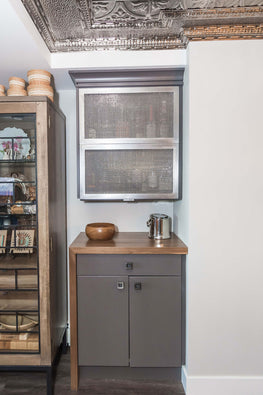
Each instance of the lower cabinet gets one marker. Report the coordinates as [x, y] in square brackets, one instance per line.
[155, 321]
[131, 319]
[103, 321]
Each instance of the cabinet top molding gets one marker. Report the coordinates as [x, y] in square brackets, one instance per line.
[30, 99]
[127, 77]
[128, 243]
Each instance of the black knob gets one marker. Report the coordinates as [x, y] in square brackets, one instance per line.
[138, 286]
[129, 265]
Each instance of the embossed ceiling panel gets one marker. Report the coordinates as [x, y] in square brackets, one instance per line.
[79, 25]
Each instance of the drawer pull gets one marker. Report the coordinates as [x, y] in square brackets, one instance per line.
[129, 265]
[138, 286]
[120, 285]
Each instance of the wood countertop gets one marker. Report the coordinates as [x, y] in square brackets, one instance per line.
[128, 243]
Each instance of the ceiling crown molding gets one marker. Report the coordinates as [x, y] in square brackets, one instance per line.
[83, 25]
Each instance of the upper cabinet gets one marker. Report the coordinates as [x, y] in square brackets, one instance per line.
[130, 133]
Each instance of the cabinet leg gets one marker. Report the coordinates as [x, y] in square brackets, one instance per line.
[49, 380]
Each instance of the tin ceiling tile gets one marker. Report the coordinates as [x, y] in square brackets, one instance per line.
[79, 25]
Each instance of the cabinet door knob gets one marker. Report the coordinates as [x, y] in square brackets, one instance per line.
[138, 286]
[120, 285]
[129, 265]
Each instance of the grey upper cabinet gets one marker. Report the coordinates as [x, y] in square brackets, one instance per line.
[130, 132]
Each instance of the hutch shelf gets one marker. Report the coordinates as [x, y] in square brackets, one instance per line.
[33, 315]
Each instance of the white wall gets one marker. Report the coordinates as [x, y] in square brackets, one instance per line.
[223, 220]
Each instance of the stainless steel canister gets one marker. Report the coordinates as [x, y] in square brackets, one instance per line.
[159, 225]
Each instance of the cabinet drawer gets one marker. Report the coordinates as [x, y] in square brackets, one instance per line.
[128, 265]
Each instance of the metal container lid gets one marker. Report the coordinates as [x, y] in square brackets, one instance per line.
[159, 216]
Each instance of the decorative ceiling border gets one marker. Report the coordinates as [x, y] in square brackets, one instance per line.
[224, 32]
[205, 15]
[153, 29]
[120, 44]
[37, 15]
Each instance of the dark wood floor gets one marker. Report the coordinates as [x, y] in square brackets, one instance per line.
[29, 383]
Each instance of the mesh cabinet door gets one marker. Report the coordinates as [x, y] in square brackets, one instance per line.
[130, 142]
[129, 174]
[129, 113]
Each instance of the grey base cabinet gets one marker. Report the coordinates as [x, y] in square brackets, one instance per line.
[155, 321]
[127, 307]
[102, 322]
[133, 319]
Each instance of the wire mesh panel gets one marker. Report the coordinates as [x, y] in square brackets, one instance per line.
[131, 115]
[129, 171]
[129, 142]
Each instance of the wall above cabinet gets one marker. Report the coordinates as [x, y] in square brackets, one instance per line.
[130, 132]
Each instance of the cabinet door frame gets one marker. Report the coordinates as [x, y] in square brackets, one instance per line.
[155, 330]
[175, 90]
[40, 110]
[175, 148]
[103, 322]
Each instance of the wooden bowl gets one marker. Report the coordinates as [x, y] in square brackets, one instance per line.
[100, 231]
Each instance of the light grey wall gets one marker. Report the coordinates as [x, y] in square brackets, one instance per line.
[222, 220]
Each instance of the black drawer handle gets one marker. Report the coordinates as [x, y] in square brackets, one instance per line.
[138, 286]
[129, 265]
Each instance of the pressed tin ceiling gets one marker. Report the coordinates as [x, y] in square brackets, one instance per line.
[81, 25]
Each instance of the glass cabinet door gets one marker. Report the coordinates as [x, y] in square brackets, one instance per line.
[19, 296]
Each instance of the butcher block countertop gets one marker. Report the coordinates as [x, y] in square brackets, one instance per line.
[128, 243]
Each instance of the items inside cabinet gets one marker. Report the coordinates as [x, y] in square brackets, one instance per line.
[129, 171]
[133, 114]
[19, 290]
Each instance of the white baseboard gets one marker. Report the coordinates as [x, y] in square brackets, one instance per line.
[222, 385]
[184, 377]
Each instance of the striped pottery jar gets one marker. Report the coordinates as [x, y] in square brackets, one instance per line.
[16, 91]
[2, 90]
[40, 90]
[38, 76]
[16, 82]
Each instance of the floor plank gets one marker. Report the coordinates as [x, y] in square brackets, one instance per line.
[29, 383]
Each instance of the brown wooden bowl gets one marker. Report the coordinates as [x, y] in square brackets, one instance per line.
[100, 231]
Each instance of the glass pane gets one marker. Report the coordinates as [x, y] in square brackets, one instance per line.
[19, 300]
[19, 332]
[129, 171]
[18, 279]
[129, 115]
[19, 323]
